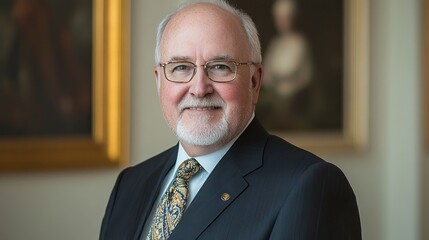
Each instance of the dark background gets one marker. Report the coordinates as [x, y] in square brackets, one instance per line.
[45, 67]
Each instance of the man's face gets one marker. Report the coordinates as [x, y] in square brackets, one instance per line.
[205, 114]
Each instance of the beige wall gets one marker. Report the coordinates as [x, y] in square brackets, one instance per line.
[387, 177]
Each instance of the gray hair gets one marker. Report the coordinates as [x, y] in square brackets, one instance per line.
[246, 22]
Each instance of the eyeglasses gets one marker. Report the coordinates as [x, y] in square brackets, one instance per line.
[217, 71]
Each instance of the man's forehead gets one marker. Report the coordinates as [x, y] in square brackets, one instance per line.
[219, 57]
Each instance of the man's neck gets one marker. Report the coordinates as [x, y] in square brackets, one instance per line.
[195, 150]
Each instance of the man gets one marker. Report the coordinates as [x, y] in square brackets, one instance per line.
[226, 178]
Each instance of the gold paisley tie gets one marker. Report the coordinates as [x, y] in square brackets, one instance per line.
[173, 202]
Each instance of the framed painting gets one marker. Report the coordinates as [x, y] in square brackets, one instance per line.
[315, 56]
[63, 84]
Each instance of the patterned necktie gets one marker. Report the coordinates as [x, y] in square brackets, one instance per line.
[173, 202]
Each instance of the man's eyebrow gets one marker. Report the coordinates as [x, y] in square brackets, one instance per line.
[179, 58]
[222, 58]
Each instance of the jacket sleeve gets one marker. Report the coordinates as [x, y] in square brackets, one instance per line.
[321, 205]
[109, 209]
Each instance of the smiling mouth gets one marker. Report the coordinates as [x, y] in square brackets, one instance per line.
[202, 108]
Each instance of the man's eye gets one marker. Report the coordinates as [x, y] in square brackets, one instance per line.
[220, 67]
[181, 68]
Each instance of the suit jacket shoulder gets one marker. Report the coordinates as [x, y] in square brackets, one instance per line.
[133, 196]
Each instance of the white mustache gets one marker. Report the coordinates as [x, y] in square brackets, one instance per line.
[207, 102]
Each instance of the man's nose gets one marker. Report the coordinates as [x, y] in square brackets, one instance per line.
[201, 85]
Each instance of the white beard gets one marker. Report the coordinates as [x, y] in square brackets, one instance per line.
[202, 133]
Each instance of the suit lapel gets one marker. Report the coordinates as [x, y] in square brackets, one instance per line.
[227, 180]
[150, 192]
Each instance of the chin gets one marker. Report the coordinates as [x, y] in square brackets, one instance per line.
[202, 133]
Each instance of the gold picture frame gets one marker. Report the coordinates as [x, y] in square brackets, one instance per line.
[425, 60]
[309, 21]
[107, 145]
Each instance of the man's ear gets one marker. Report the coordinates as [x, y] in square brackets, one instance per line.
[157, 75]
[257, 77]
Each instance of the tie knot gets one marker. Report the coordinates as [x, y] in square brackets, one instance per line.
[188, 169]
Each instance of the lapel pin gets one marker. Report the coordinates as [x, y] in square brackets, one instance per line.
[225, 197]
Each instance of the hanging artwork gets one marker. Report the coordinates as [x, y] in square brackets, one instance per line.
[63, 83]
[314, 91]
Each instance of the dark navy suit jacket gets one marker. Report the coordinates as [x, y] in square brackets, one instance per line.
[277, 191]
